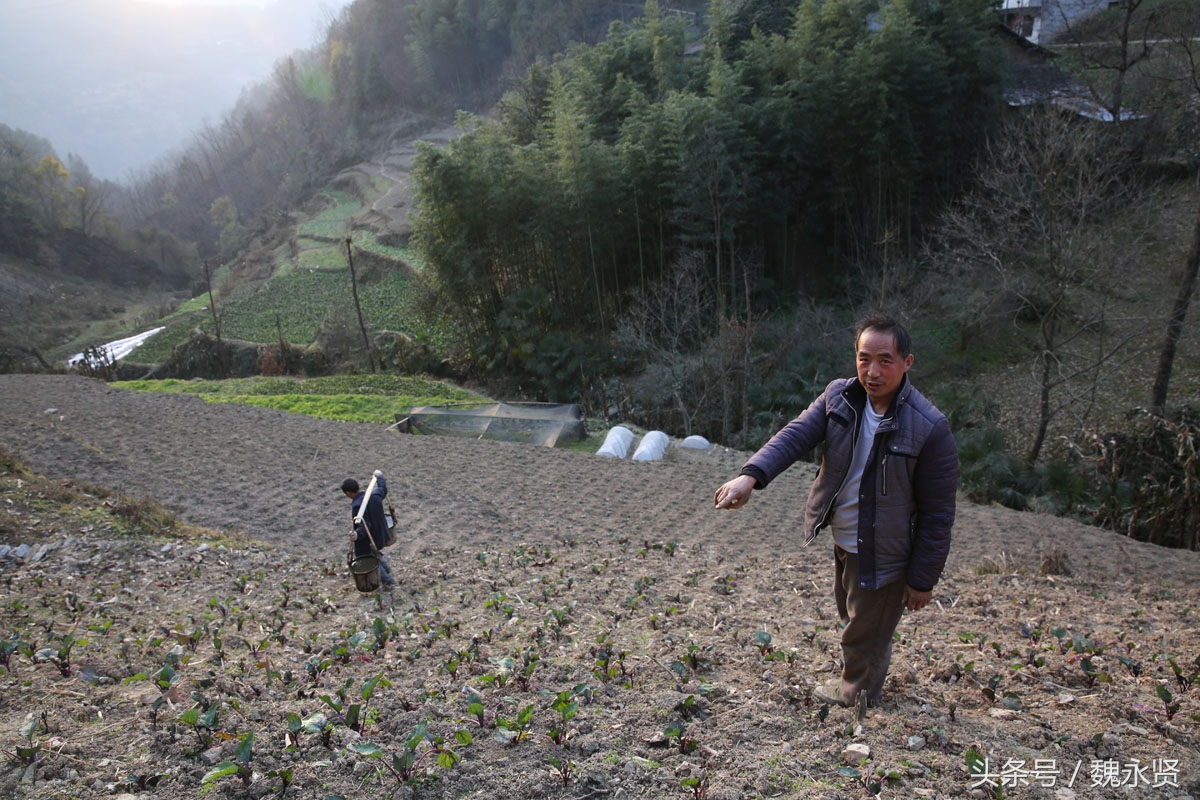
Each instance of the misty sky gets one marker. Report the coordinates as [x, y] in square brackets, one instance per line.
[125, 82]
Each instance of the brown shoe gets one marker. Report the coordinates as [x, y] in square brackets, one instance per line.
[830, 692]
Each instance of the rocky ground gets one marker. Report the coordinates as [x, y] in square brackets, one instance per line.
[565, 626]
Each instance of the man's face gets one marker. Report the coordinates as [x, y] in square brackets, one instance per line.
[880, 367]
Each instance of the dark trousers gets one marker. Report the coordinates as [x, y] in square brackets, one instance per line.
[871, 617]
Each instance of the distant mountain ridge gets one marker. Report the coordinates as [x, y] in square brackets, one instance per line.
[123, 82]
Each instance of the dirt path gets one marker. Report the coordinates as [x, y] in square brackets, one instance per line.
[394, 207]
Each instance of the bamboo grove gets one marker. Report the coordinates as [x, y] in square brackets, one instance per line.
[781, 157]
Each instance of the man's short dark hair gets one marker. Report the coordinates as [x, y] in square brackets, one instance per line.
[350, 485]
[885, 324]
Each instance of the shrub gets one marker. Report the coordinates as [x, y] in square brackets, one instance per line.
[142, 517]
[1148, 478]
[1055, 562]
[990, 473]
[281, 359]
[9, 463]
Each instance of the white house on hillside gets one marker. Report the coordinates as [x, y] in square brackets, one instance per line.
[1040, 20]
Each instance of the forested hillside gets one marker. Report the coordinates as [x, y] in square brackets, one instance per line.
[669, 192]
[339, 102]
[383, 72]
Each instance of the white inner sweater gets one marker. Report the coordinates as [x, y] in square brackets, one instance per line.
[845, 509]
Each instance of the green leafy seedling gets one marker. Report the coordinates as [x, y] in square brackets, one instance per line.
[565, 769]
[477, 710]
[689, 709]
[977, 768]
[285, 776]
[354, 713]
[218, 643]
[239, 766]
[405, 764]
[1090, 673]
[101, 627]
[27, 753]
[529, 664]
[312, 725]
[696, 660]
[1134, 667]
[60, 656]
[204, 724]
[505, 666]
[316, 666]
[450, 666]
[697, 785]
[1170, 704]
[681, 737]
[1185, 681]
[567, 707]
[381, 632]
[12, 647]
[512, 731]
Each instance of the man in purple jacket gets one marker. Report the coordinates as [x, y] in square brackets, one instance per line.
[886, 489]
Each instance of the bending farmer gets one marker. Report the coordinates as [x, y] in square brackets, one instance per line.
[886, 488]
[373, 527]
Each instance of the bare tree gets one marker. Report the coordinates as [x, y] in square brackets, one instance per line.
[362, 325]
[1166, 358]
[212, 307]
[1178, 71]
[1032, 240]
[669, 325]
[90, 195]
[1106, 44]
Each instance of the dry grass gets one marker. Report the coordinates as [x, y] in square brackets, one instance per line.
[997, 565]
[1056, 562]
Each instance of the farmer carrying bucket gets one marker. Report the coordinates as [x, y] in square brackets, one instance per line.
[370, 531]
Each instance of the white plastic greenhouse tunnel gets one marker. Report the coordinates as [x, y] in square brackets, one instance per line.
[694, 442]
[115, 351]
[652, 447]
[616, 442]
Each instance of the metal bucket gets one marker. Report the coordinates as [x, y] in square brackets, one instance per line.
[365, 570]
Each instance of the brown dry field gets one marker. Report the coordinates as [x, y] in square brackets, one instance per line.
[611, 581]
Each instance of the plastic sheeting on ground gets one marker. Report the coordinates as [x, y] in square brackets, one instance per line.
[652, 447]
[694, 442]
[616, 442]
